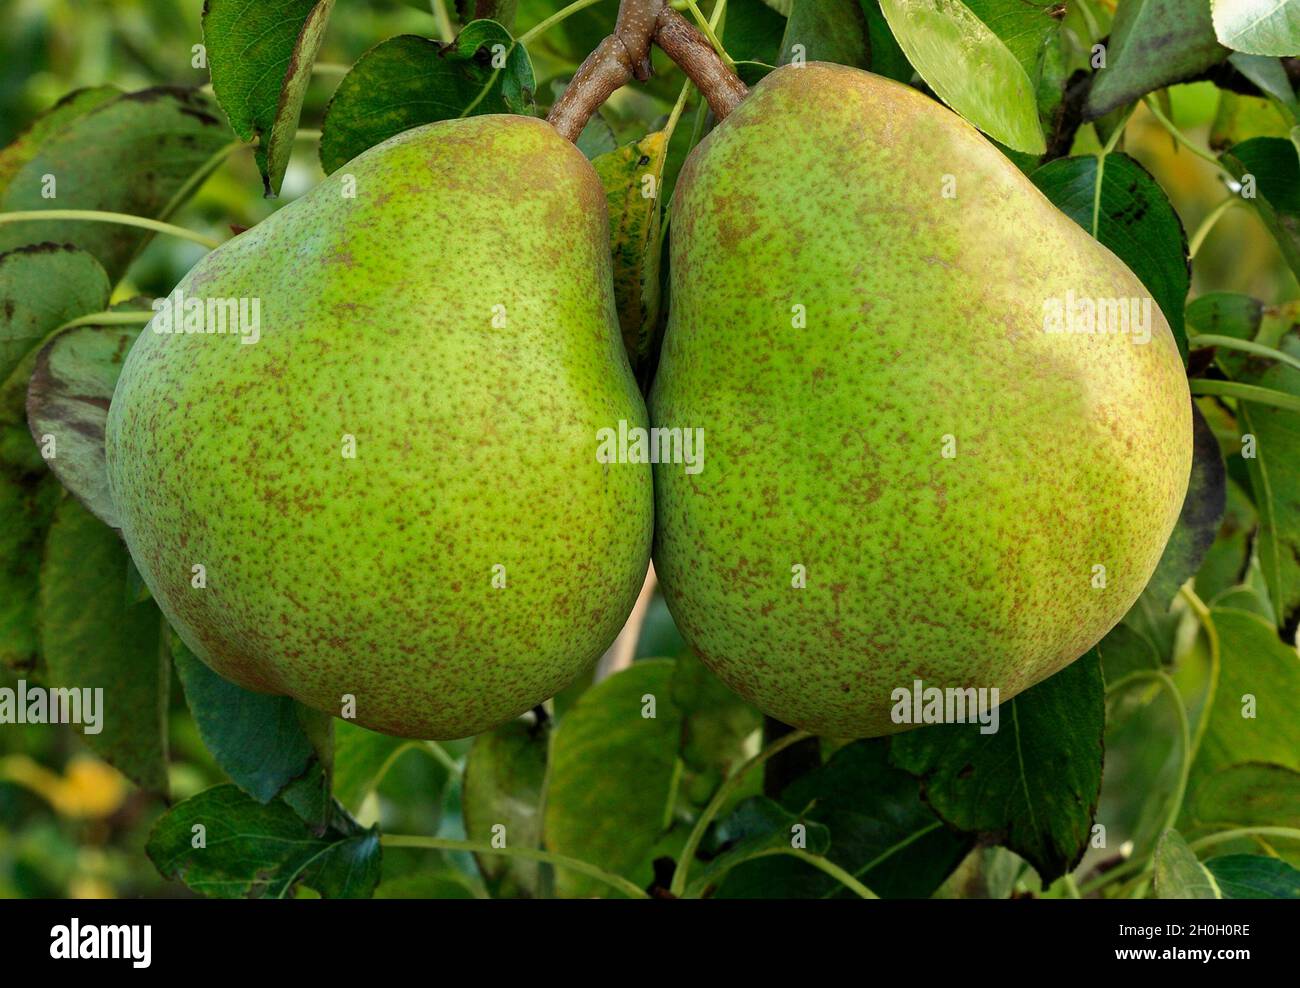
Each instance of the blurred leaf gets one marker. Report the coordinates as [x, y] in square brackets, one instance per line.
[1273, 164]
[1240, 118]
[501, 11]
[1260, 27]
[1254, 666]
[1254, 876]
[1226, 314]
[827, 31]
[1033, 785]
[142, 153]
[1225, 564]
[256, 738]
[1125, 651]
[882, 832]
[261, 57]
[1136, 222]
[27, 145]
[43, 286]
[408, 81]
[1274, 480]
[92, 639]
[887, 57]
[752, 31]
[1269, 74]
[985, 873]
[613, 777]
[1153, 43]
[1252, 794]
[67, 407]
[504, 777]
[715, 723]
[970, 69]
[260, 849]
[758, 828]
[443, 884]
[633, 177]
[1178, 873]
[361, 757]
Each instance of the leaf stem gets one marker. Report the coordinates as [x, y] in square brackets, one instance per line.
[526, 853]
[706, 25]
[1212, 687]
[1200, 341]
[109, 319]
[1246, 392]
[1290, 833]
[1207, 224]
[100, 216]
[719, 798]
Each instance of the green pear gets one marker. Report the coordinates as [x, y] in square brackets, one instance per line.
[392, 499]
[907, 473]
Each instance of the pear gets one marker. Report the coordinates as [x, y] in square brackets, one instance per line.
[909, 472]
[390, 506]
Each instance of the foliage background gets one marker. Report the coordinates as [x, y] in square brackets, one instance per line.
[71, 825]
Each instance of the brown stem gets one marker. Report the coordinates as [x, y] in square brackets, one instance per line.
[616, 60]
[691, 50]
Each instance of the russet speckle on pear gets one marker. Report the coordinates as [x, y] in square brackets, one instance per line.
[475, 443]
[924, 320]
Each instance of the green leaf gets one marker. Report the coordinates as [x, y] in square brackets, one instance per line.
[1252, 794]
[1178, 873]
[1031, 31]
[1153, 43]
[261, 57]
[882, 832]
[1255, 669]
[827, 31]
[759, 829]
[361, 760]
[408, 81]
[1226, 314]
[1226, 563]
[141, 153]
[504, 778]
[1269, 74]
[260, 849]
[1239, 118]
[93, 639]
[1033, 785]
[1259, 27]
[42, 286]
[887, 57]
[752, 31]
[1254, 876]
[1123, 651]
[1274, 482]
[67, 407]
[632, 177]
[613, 778]
[1136, 222]
[76, 104]
[257, 739]
[970, 69]
[1274, 168]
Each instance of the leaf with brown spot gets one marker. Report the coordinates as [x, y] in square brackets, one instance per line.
[67, 407]
[627, 174]
[261, 57]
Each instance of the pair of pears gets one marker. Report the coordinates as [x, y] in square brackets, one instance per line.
[394, 495]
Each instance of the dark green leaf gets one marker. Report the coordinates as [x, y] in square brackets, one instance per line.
[256, 738]
[1254, 876]
[408, 81]
[1273, 166]
[1153, 43]
[752, 31]
[1226, 314]
[260, 849]
[261, 56]
[759, 829]
[827, 31]
[140, 153]
[1135, 221]
[1252, 794]
[92, 639]
[887, 57]
[76, 104]
[1032, 785]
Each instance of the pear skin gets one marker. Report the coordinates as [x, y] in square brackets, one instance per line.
[394, 493]
[908, 473]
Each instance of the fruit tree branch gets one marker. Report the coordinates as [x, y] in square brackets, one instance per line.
[620, 57]
[690, 49]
